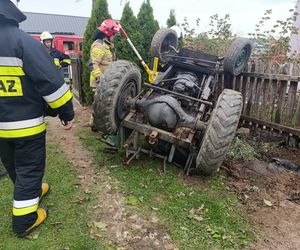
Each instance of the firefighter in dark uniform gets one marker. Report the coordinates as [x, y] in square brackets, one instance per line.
[29, 86]
[61, 60]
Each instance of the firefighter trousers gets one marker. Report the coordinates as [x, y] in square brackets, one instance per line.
[24, 161]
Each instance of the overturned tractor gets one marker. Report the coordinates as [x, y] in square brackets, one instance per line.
[182, 117]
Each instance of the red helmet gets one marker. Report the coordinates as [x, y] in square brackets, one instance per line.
[109, 27]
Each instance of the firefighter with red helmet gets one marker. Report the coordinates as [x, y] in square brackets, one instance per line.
[29, 83]
[102, 52]
[60, 59]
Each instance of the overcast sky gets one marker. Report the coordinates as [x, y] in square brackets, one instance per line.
[244, 14]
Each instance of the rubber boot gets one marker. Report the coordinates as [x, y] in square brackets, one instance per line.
[42, 215]
[45, 189]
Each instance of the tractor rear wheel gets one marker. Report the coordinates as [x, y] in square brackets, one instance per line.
[121, 80]
[220, 131]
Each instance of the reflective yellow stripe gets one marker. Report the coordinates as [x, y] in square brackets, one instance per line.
[92, 78]
[25, 210]
[61, 101]
[17, 133]
[56, 62]
[68, 61]
[96, 72]
[100, 52]
[11, 71]
[10, 86]
[107, 52]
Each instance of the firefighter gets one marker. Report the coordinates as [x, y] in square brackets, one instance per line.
[102, 53]
[61, 60]
[29, 82]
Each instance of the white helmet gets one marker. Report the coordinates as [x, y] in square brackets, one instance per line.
[178, 30]
[46, 36]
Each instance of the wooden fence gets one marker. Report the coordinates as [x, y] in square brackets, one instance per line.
[271, 95]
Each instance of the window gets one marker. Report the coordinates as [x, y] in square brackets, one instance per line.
[68, 45]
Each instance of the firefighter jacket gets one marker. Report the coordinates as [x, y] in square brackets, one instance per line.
[28, 83]
[101, 57]
[60, 59]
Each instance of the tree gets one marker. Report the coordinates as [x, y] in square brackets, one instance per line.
[148, 27]
[98, 15]
[275, 41]
[130, 24]
[172, 19]
[215, 41]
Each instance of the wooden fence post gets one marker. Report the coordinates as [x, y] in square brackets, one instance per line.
[291, 101]
[281, 100]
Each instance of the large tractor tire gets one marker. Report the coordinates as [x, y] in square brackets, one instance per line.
[237, 56]
[163, 44]
[121, 80]
[220, 132]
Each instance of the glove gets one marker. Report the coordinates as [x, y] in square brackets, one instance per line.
[66, 112]
[66, 117]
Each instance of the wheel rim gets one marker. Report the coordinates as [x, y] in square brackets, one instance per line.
[242, 59]
[129, 90]
[166, 46]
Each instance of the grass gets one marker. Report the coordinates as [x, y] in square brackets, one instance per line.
[66, 227]
[206, 217]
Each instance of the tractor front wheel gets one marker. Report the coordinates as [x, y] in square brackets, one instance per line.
[237, 56]
[163, 44]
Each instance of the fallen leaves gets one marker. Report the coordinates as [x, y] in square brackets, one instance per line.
[268, 203]
[58, 225]
[133, 200]
[100, 225]
[197, 213]
[81, 200]
[33, 236]
[97, 229]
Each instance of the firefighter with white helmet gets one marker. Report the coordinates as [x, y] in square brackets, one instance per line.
[29, 84]
[46, 36]
[60, 59]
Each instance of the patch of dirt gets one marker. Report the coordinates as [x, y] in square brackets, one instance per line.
[271, 199]
[113, 223]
